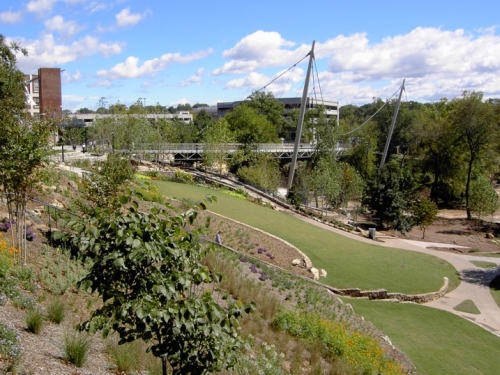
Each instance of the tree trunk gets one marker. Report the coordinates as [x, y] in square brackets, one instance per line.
[164, 366]
[467, 186]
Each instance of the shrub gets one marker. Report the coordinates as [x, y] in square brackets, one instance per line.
[7, 259]
[56, 311]
[180, 176]
[76, 348]
[21, 301]
[34, 321]
[128, 356]
[10, 349]
[30, 235]
[24, 275]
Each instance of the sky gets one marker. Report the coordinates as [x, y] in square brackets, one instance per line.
[175, 52]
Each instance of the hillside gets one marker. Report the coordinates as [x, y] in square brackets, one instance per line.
[50, 276]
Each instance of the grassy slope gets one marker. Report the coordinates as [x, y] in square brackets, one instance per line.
[439, 343]
[349, 263]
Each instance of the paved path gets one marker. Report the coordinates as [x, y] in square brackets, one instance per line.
[475, 280]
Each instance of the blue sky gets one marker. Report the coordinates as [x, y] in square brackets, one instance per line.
[172, 52]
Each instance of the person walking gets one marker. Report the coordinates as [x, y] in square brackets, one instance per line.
[218, 239]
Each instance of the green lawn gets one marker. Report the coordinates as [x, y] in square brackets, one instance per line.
[439, 343]
[483, 264]
[467, 306]
[349, 263]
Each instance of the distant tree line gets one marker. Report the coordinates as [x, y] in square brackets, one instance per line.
[135, 108]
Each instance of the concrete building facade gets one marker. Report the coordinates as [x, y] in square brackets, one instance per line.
[331, 107]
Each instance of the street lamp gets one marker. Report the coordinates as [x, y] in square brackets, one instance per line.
[62, 148]
[113, 142]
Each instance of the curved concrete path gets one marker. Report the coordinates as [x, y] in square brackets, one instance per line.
[475, 280]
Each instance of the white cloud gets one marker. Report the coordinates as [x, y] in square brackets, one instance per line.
[436, 63]
[130, 68]
[260, 50]
[74, 77]
[57, 23]
[196, 78]
[40, 6]
[46, 52]
[125, 18]
[10, 17]
[97, 6]
[256, 81]
[180, 101]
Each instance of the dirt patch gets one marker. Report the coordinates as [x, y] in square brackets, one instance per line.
[460, 232]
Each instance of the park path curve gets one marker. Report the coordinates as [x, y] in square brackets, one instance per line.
[474, 283]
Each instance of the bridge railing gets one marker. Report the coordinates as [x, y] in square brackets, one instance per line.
[200, 147]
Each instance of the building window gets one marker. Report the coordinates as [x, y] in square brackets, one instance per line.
[35, 86]
[36, 99]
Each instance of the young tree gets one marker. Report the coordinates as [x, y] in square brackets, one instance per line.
[351, 184]
[483, 198]
[107, 180]
[262, 171]
[391, 193]
[324, 183]
[424, 213]
[24, 142]
[216, 148]
[147, 268]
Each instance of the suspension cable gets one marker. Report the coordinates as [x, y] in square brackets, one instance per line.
[292, 67]
[372, 116]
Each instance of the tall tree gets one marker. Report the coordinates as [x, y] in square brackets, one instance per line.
[478, 126]
[440, 150]
[202, 122]
[250, 127]
[266, 104]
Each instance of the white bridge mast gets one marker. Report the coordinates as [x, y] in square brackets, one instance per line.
[302, 112]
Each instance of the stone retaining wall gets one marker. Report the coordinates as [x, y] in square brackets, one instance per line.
[382, 294]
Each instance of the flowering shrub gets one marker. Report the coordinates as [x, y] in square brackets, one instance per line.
[261, 250]
[30, 236]
[270, 256]
[254, 268]
[7, 257]
[263, 276]
[5, 226]
[10, 349]
[337, 340]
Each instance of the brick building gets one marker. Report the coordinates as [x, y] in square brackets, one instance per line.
[43, 93]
